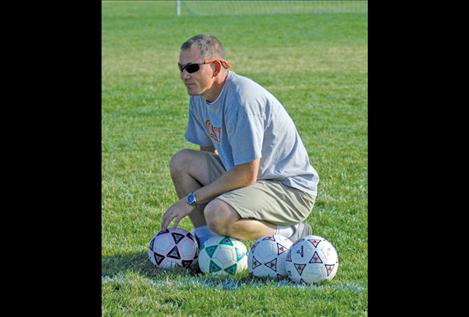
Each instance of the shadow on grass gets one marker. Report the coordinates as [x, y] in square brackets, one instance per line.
[139, 263]
[131, 263]
[118, 265]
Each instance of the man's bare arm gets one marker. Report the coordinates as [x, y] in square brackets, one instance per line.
[239, 176]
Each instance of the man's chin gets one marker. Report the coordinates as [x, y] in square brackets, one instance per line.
[192, 92]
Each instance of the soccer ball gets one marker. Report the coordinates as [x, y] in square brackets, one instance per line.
[221, 255]
[312, 259]
[267, 256]
[173, 248]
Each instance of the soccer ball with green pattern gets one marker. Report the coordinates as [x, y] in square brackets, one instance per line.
[221, 255]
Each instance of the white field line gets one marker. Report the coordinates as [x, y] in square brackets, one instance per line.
[234, 284]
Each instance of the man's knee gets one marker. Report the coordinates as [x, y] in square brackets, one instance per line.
[220, 216]
[180, 161]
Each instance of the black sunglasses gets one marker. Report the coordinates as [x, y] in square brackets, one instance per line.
[193, 67]
[190, 68]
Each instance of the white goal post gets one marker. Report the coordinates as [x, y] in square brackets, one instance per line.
[268, 7]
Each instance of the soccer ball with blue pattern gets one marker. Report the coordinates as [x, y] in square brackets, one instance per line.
[312, 259]
[267, 255]
[221, 255]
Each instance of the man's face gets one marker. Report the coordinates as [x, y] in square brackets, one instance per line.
[199, 82]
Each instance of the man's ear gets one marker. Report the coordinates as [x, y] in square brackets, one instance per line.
[217, 69]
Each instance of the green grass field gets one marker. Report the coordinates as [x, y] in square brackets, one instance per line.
[316, 65]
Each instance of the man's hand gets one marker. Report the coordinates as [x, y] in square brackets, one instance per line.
[177, 211]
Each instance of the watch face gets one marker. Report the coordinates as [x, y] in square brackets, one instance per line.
[191, 199]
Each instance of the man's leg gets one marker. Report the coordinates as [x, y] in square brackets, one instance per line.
[189, 172]
[224, 220]
[265, 208]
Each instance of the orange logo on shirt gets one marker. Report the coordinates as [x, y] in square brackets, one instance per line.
[214, 132]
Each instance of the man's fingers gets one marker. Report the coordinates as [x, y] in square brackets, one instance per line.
[166, 220]
[176, 222]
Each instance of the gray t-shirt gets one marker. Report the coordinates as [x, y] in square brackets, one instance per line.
[246, 122]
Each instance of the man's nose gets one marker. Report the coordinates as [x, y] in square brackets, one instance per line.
[185, 74]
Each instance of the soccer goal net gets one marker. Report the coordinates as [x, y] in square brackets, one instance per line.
[268, 7]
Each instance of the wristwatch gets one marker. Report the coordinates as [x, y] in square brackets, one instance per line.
[191, 199]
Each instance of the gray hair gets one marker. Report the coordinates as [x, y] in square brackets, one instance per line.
[209, 45]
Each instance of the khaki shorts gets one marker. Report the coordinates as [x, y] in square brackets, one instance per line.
[267, 200]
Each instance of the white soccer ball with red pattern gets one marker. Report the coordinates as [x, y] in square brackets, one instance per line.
[267, 255]
[173, 248]
[312, 259]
